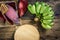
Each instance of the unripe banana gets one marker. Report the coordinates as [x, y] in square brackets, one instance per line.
[46, 26]
[29, 8]
[38, 7]
[33, 9]
[45, 13]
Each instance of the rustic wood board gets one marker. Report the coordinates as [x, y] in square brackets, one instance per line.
[7, 32]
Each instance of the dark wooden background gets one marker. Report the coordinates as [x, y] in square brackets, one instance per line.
[7, 32]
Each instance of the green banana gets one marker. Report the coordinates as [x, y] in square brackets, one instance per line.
[44, 12]
[51, 13]
[46, 26]
[47, 9]
[47, 21]
[51, 24]
[42, 7]
[38, 7]
[30, 8]
[33, 9]
[48, 17]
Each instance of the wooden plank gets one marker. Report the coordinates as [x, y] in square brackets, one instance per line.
[7, 32]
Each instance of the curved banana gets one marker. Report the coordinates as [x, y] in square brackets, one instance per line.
[45, 13]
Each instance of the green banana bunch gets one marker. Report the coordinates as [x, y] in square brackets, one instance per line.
[44, 12]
